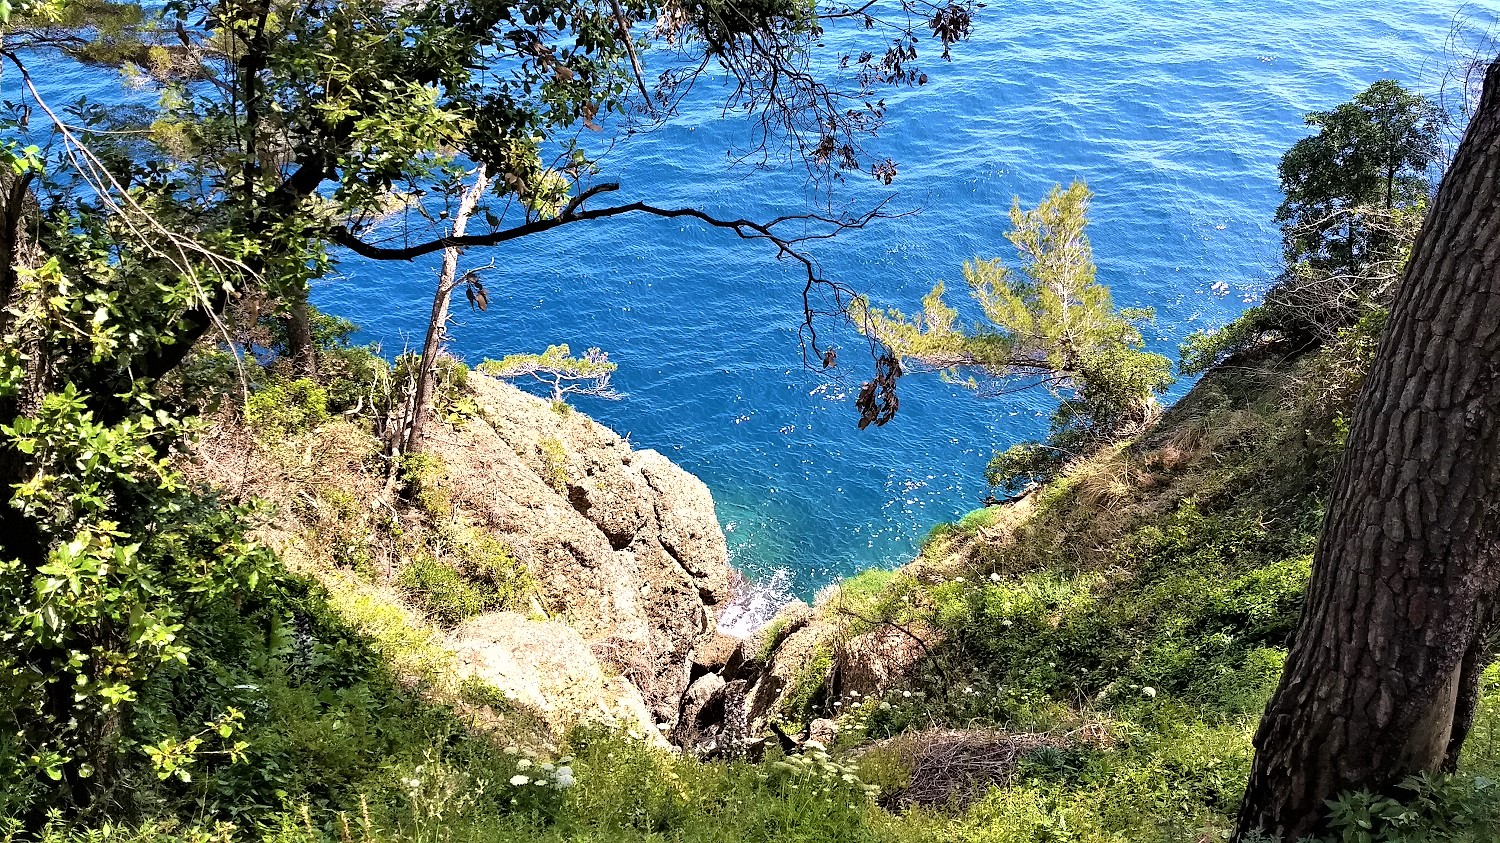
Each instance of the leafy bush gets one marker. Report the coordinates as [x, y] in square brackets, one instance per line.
[442, 592]
[554, 463]
[1439, 809]
[476, 574]
[286, 408]
[423, 474]
[86, 629]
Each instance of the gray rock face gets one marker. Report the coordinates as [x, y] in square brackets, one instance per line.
[550, 670]
[625, 544]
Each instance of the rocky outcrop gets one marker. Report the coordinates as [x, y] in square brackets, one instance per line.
[804, 661]
[548, 669]
[624, 544]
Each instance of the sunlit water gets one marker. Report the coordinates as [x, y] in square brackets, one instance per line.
[1175, 112]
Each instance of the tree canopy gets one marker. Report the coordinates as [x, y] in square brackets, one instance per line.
[559, 371]
[1355, 194]
[1369, 155]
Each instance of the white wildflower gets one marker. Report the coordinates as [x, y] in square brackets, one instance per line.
[523, 764]
[1149, 691]
[564, 778]
[519, 779]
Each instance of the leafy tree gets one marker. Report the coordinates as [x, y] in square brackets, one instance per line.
[345, 122]
[1050, 324]
[562, 373]
[106, 554]
[1381, 681]
[1355, 195]
[1370, 154]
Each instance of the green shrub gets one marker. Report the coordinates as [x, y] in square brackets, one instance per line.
[492, 566]
[808, 688]
[1202, 350]
[286, 408]
[442, 592]
[1439, 809]
[970, 524]
[423, 473]
[477, 574]
[554, 463]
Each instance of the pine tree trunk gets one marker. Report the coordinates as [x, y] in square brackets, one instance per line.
[299, 339]
[437, 324]
[1381, 680]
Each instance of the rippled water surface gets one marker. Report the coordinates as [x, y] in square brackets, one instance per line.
[1176, 114]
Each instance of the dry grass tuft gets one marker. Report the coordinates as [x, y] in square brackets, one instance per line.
[953, 768]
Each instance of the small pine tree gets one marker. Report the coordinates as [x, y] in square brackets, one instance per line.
[1050, 323]
[561, 372]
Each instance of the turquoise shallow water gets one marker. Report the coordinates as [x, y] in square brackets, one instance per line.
[1176, 114]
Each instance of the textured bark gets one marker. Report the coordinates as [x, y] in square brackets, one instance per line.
[299, 339]
[1381, 679]
[437, 324]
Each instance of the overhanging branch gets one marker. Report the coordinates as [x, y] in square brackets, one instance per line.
[842, 295]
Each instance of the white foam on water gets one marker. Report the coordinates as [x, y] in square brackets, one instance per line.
[754, 604]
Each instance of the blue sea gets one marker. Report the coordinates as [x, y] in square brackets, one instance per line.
[1175, 112]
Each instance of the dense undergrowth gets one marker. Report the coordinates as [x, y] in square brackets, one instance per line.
[1139, 605]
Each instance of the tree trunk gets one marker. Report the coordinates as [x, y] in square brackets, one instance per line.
[299, 339]
[421, 404]
[1381, 679]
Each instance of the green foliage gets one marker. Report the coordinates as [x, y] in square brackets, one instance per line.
[286, 408]
[1370, 153]
[441, 591]
[1204, 349]
[808, 689]
[1438, 809]
[87, 629]
[554, 463]
[477, 573]
[1024, 464]
[770, 637]
[1051, 323]
[557, 369]
[145, 633]
[864, 586]
[450, 395]
[968, 525]
[423, 474]
[1145, 597]
[1355, 196]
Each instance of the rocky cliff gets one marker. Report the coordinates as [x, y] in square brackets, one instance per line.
[623, 562]
[623, 543]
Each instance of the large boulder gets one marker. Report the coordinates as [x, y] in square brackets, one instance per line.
[549, 670]
[624, 544]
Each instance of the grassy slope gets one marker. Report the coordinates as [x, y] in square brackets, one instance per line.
[1134, 611]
